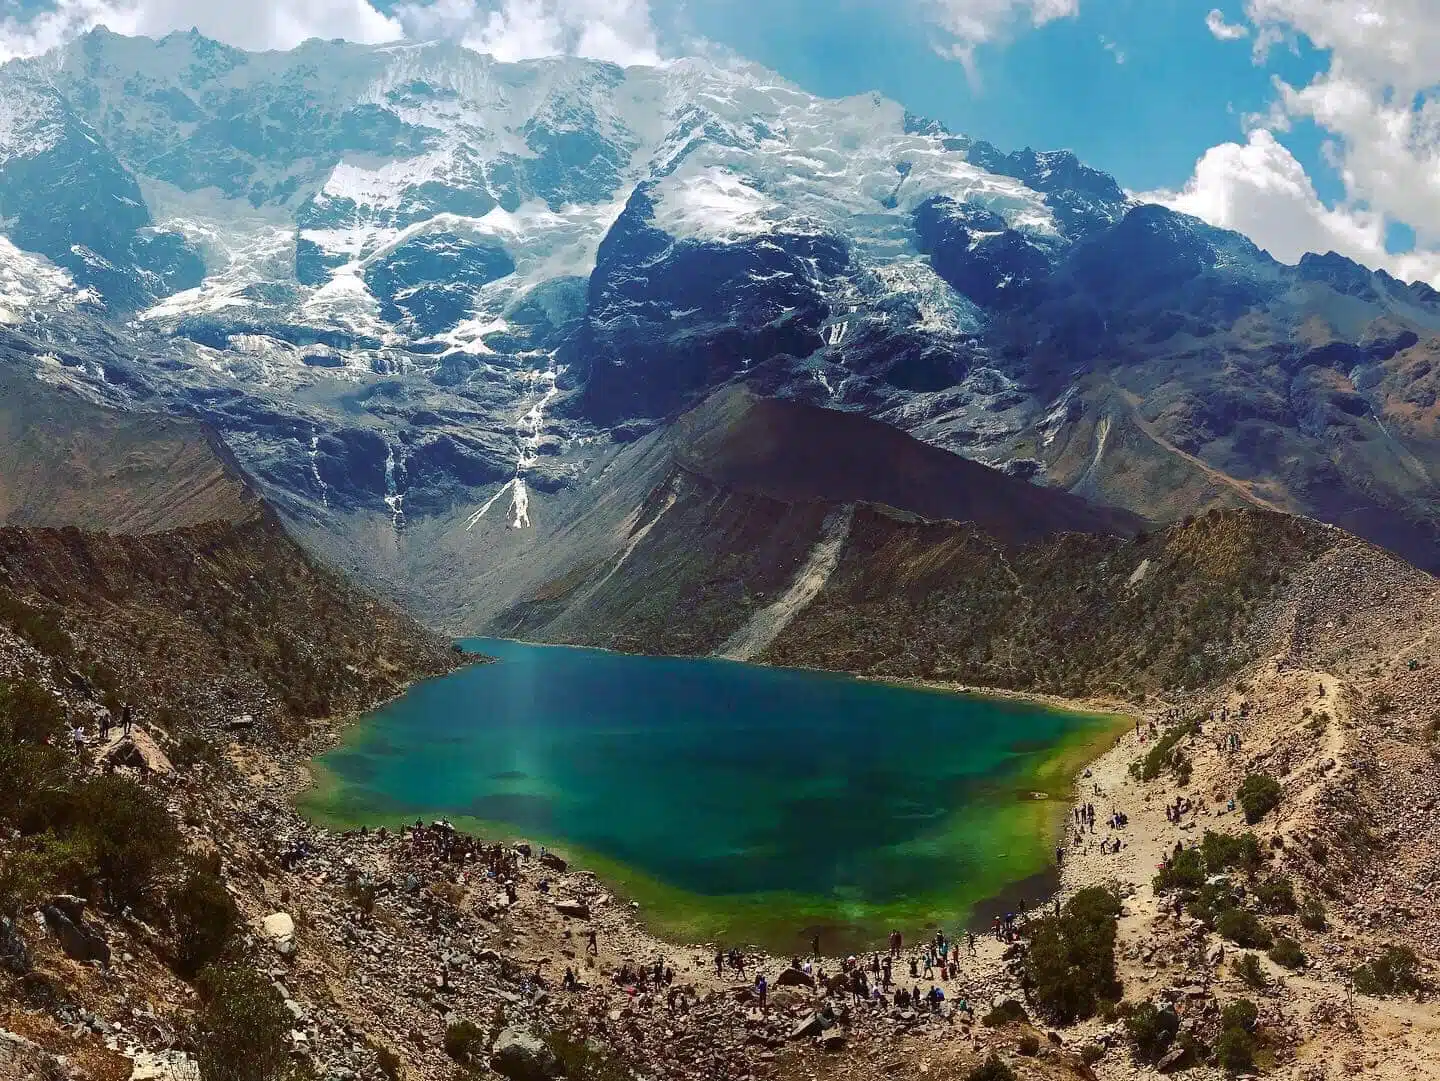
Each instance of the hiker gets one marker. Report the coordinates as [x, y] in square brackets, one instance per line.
[762, 988]
[107, 718]
[815, 945]
[719, 963]
[591, 944]
[1059, 854]
[79, 737]
[571, 982]
[126, 719]
[970, 941]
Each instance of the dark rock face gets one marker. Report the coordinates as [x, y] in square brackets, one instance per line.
[982, 259]
[669, 319]
[74, 202]
[429, 283]
[79, 941]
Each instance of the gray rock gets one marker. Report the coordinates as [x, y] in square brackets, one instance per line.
[575, 909]
[80, 943]
[521, 1055]
[809, 1025]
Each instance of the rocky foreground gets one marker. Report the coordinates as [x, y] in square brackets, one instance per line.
[419, 953]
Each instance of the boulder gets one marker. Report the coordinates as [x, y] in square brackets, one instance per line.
[1215, 954]
[164, 1066]
[552, 861]
[520, 1055]
[794, 977]
[1171, 1059]
[575, 909]
[279, 930]
[139, 751]
[80, 942]
[831, 1041]
[809, 1025]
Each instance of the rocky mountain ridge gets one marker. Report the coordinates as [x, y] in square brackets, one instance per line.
[426, 297]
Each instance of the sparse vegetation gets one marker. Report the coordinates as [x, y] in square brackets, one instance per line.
[1395, 972]
[1276, 895]
[204, 918]
[1008, 1012]
[464, 1040]
[1165, 755]
[1228, 852]
[1312, 915]
[1235, 1048]
[1070, 966]
[1250, 972]
[992, 1069]
[1259, 795]
[1287, 954]
[1243, 928]
[1184, 870]
[1028, 1045]
[1151, 1031]
[244, 1027]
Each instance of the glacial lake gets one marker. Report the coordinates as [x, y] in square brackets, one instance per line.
[736, 803]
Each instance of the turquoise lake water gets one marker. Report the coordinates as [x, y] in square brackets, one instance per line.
[735, 802]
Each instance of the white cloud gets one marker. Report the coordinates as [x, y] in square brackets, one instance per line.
[1258, 188]
[255, 24]
[1223, 30]
[615, 30]
[1378, 101]
[967, 24]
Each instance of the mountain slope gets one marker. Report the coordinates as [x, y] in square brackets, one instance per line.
[65, 462]
[432, 286]
[155, 574]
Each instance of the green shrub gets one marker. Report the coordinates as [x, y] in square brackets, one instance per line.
[1395, 971]
[1312, 914]
[243, 1026]
[1184, 870]
[1235, 1047]
[1091, 1053]
[1164, 754]
[1070, 966]
[1259, 795]
[1243, 928]
[31, 714]
[1248, 970]
[586, 1060]
[1235, 1050]
[1151, 1030]
[1228, 852]
[992, 1069]
[463, 1040]
[134, 838]
[1213, 899]
[1276, 895]
[1287, 954]
[204, 918]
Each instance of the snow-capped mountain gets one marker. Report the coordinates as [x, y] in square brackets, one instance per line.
[411, 284]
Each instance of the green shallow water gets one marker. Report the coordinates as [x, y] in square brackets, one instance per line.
[735, 802]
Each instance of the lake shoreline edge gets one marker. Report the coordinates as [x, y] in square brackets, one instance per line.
[624, 881]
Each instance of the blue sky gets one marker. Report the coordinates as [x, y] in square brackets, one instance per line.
[1178, 91]
[1306, 124]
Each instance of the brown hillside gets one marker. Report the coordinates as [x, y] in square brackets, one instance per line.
[67, 462]
[791, 451]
